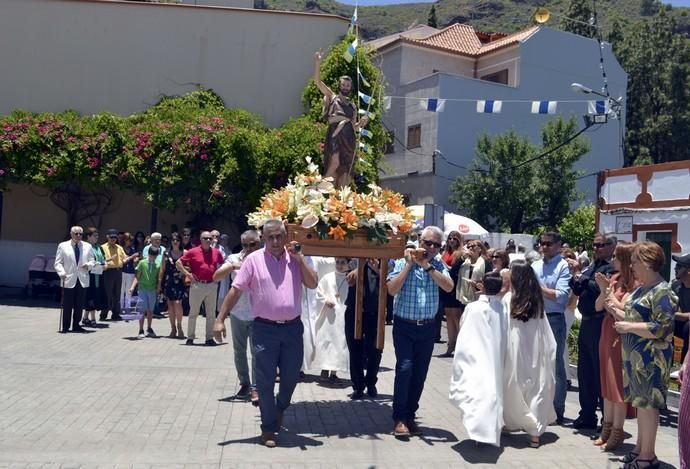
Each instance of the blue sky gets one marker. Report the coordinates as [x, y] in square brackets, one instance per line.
[680, 3]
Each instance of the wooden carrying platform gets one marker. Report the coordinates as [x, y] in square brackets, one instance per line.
[360, 247]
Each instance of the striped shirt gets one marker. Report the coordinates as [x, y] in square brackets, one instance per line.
[418, 298]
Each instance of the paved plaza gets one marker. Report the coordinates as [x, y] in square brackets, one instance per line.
[107, 400]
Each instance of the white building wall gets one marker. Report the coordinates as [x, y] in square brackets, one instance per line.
[122, 57]
[419, 62]
[670, 185]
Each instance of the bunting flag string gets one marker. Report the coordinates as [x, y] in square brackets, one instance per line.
[366, 98]
[365, 133]
[350, 52]
[365, 148]
[433, 104]
[362, 79]
[364, 112]
[353, 22]
[544, 107]
[493, 106]
[489, 106]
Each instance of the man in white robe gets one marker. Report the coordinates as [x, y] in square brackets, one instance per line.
[310, 311]
[477, 383]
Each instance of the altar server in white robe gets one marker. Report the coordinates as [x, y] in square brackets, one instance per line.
[477, 383]
[310, 311]
[331, 345]
[529, 375]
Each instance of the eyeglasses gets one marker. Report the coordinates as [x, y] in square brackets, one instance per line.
[78, 234]
[495, 257]
[249, 245]
[601, 245]
[429, 243]
[207, 239]
[546, 243]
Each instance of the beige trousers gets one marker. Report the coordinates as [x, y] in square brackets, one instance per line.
[202, 293]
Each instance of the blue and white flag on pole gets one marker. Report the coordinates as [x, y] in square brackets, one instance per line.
[365, 148]
[544, 107]
[489, 106]
[363, 112]
[350, 52]
[366, 98]
[433, 104]
[387, 101]
[598, 107]
[362, 79]
[353, 22]
[365, 133]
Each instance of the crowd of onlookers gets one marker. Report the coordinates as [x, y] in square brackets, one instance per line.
[507, 308]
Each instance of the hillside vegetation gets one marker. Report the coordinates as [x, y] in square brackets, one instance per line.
[485, 15]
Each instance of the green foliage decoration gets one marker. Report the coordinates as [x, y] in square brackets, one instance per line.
[578, 226]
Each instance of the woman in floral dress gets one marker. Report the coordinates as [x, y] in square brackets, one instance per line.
[646, 335]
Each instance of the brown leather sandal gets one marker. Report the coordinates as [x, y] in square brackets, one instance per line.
[605, 434]
[615, 440]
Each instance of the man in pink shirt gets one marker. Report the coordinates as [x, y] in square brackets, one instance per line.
[274, 275]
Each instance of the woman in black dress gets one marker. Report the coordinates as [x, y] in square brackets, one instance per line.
[453, 258]
[174, 288]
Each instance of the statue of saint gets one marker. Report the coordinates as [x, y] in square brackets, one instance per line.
[341, 137]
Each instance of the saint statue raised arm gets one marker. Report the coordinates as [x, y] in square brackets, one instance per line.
[341, 137]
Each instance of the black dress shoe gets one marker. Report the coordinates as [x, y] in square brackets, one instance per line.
[116, 317]
[210, 343]
[243, 393]
[357, 395]
[371, 391]
[78, 329]
[581, 424]
[62, 332]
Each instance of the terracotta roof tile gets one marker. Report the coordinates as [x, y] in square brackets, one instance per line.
[463, 39]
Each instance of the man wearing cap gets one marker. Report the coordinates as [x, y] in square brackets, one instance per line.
[112, 275]
[681, 287]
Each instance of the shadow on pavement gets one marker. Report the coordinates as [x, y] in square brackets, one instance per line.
[286, 439]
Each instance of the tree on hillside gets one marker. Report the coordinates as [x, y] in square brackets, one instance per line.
[649, 7]
[505, 191]
[657, 61]
[431, 20]
[577, 19]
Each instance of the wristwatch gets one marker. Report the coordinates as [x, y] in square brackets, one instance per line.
[429, 269]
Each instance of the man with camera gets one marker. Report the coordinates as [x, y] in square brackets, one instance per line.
[274, 276]
[415, 280]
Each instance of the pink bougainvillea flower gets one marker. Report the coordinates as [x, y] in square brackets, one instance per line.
[204, 156]
[50, 171]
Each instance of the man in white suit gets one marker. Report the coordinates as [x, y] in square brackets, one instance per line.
[73, 260]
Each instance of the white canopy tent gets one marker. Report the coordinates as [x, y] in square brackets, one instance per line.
[452, 222]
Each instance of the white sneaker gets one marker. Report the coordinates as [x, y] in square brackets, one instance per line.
[675, 374]
[141, 334]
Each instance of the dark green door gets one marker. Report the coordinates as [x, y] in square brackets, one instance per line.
[663, 239]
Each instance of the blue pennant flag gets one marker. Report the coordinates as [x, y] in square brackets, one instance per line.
[350, 52]
[489, 106]
[433, 104]
[362, 79]
[364, 112]
[598, 107]
[365, 148]
[366, 133]
[353, 22]
[544, 107]
[366, 98]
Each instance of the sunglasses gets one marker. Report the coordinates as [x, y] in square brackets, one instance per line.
[175, 240]
[495, 257]
[112, 237]
[207, 239]
[546, 243]
[249, 245]
[429, 244]
[600, 245]
[78, 234]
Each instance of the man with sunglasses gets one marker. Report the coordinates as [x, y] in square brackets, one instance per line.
[73, 260]
[553, 275]
[586, 289]
[203, 261]
[241, 318]
[415, 281]
[112, 275]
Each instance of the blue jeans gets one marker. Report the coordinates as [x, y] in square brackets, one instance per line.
[276, 346]
[241, 332]
[558, 327]
[413, 348]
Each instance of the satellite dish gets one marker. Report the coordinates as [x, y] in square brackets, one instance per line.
[542, 15]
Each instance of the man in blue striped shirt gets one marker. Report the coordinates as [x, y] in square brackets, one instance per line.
[415, 281]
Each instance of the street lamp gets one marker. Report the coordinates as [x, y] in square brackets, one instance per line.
[614, 105]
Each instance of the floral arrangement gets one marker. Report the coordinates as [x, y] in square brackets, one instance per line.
[313, 202]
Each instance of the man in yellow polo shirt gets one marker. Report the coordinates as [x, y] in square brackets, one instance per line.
[112, 275]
